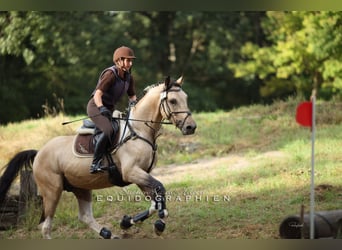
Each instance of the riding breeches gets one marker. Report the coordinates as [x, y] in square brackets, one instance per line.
[101, 122]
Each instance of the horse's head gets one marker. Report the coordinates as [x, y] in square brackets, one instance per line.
[174, 106]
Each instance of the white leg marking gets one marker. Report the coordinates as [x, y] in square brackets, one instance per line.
[85, 215]
[46, 228]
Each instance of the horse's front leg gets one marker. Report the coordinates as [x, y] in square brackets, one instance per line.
[154, 189]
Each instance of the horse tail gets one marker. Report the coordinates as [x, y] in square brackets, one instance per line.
[20, 160]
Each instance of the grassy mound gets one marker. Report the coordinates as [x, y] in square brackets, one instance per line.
[240, 174]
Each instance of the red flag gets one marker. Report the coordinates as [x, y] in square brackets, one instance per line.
[304, 114]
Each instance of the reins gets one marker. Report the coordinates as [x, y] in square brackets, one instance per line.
[133, 135]
[145, 121]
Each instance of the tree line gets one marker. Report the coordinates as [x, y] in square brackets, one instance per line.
[228, 59]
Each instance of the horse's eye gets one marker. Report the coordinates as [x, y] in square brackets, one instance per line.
[173, 101]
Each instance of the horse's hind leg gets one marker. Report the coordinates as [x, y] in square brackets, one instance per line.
[50, 200]
[85, 212]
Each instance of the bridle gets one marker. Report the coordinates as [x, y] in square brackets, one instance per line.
[166, 109]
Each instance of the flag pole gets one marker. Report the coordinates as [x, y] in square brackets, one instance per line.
[312, 190]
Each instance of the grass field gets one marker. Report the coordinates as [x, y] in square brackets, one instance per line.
[238, 177]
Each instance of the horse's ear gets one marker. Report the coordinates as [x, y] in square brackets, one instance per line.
[180, 80]
[167, 82]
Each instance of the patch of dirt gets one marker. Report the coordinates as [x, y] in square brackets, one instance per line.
[204, 167]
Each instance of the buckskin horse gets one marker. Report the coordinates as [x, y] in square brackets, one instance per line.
[56, 168]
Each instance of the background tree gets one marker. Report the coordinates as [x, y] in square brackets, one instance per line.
[45, 55]
[197, 45]
[303, 51]
[49, 54]
[228, 59]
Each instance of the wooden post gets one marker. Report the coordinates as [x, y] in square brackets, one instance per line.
[15, 206]
[28, 191]
[302, 221]
[9, 212]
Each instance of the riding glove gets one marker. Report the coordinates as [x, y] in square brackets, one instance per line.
[105, 112]
[132, 103]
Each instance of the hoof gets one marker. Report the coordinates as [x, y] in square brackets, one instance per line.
[105, 233]
[159, 227]
[126, 222]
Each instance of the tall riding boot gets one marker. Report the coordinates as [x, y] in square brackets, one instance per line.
[100, 151]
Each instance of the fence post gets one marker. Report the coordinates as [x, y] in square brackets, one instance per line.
[28, 191]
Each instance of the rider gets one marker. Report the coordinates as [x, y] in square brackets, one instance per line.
[112, 84]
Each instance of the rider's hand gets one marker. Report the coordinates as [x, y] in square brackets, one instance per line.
[132, 103]
[105, 112]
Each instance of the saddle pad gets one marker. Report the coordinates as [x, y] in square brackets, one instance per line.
[83, 145]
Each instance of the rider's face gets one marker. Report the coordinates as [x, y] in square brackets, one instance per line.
[127, 63]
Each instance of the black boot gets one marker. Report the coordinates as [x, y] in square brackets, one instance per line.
[100, 150]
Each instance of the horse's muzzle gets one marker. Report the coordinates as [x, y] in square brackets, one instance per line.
[189, 129]
[189, 126]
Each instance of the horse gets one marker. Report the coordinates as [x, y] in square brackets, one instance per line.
[56, 168]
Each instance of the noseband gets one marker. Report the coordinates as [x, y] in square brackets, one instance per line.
[170, 115]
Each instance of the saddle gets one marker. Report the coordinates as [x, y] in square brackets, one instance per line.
[84, 146]
[87, 136]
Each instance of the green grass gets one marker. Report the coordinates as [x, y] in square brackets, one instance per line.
[262, 177]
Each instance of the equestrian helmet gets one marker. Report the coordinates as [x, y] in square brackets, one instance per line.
[123, 52]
